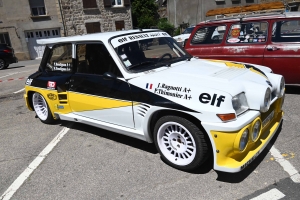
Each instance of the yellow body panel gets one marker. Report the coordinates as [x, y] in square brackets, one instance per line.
[228, 155]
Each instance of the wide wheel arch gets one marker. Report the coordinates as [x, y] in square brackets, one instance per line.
[158, 114]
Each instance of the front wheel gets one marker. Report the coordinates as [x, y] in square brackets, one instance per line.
[42, 109]
[180, 143]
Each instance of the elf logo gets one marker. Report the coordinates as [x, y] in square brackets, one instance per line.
[215, 99]
[149, 86]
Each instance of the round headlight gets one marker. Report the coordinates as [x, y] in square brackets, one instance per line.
[267, 101]
[255, 130]
[244, 140]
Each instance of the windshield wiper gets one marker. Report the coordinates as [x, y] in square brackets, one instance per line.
[140, 64]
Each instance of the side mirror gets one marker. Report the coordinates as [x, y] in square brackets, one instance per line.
[109, 76]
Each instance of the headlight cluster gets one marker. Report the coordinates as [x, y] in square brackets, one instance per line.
[239, 103]
[267, 101]
[251, 132]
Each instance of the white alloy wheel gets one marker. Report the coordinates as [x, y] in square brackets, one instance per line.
[176, 143]
[40, 106]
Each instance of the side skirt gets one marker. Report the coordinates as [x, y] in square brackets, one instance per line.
[104, 125]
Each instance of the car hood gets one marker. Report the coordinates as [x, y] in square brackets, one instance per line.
[185, 82]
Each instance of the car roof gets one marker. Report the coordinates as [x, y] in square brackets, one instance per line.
[103, 36]
[252, 17]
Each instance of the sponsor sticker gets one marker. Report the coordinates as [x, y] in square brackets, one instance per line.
[29, 81]
[51, 85]
[59, 107]
[233, 40]
[250, 161]
[52, 96]
[268, 119]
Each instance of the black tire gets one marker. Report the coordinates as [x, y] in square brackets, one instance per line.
[6, 66]
[180, 143]
[2, 64]
[42, 109]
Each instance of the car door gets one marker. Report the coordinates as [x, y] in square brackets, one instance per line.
[97, 90]
[245, 42]
[207, 42]
[282, 54]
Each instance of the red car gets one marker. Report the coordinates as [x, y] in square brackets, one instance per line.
[272, 40]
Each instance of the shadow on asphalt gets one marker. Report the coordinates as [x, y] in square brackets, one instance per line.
[14, 67]
[150, 148]
[240, 176]
[123, 139]
[292, 89]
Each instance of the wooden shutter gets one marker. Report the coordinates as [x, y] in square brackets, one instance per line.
[93, 27]
[126, 2]
[89, 3]
[119, 25]
[107, 3]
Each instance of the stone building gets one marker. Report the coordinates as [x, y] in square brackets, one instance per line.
[194, 11]
[89, 16]
[23, 22]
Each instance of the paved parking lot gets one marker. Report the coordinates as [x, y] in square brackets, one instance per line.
[76, 161]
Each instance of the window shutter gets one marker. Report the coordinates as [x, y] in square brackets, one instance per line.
[107, 3]
[89, 27]
[93, 27]
[126, 2]
[96, 27]
[89, 3]
[36, 3]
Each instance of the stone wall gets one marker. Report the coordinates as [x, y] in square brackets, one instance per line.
[75, 16]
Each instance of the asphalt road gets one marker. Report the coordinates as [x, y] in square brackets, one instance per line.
[91, 163]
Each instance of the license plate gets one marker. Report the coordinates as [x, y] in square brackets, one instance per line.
[268, 119]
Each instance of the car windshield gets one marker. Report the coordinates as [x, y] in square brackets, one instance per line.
[146, 54]
[188, 30]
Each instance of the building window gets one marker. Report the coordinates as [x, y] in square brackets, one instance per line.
[37, 7]
[4, 39]
[116, 3]
[120, 25]
[89, 3]
[93, 27]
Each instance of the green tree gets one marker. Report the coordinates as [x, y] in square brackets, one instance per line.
[144, 13]
[165, 25]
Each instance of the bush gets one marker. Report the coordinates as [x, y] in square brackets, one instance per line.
[166, 26]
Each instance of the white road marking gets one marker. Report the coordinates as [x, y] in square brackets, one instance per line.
[33, 165]
[14, 73]
[19, 91]
[287, 166]
[273, 194]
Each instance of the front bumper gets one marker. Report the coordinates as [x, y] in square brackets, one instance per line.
[227, 156]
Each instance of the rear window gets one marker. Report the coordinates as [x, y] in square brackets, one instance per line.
[251, 32]
[209, 35]
[60, 58]
[286, 31]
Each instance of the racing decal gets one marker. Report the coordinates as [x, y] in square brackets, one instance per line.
[29, 81]
[51, 85]
[136, 37]
[173, 91]
[243, 66]
[60, 107]
[233, 40]
[51, 96]
[215, 100]
[149, 86]
[250, 161]
[62, 66]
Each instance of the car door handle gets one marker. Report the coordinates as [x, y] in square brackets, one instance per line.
[272, 48]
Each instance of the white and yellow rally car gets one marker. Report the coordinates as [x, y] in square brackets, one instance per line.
[189, 107]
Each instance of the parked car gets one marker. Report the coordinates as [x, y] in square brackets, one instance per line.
[184, 36]
[7, 56]
[189, 107]
[272, 40]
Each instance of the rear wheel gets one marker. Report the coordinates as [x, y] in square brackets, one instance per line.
[6, 66]
[42, 109]
[180, 143]
[2, 64]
